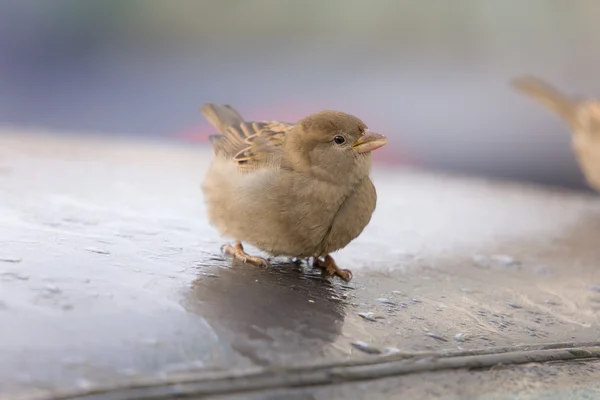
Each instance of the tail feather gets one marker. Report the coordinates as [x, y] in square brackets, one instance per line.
[221, 116]
[547, 95]
[226, 121]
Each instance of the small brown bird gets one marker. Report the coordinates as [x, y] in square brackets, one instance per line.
[296, 190]
[582, 118]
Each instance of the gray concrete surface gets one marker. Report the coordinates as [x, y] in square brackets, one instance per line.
[110, 278]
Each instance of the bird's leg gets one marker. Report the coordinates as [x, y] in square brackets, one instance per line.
[237, 251]
[330, 268]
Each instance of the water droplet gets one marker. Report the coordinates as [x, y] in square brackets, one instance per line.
[385, 301]
[435, 336]
[13, 260]
[369, 316]
[97, 250]
[365, 347]
[52, 289]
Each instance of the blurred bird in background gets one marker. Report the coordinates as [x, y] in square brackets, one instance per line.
[582, 116]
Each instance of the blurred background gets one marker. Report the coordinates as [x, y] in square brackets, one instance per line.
[432, 75]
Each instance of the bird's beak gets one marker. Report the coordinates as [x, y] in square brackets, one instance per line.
[369, 141]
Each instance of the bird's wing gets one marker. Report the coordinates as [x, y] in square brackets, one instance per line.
[548, 96]
[263, 148]
[251, 145]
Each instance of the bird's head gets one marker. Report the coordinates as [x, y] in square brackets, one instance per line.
[333, 146]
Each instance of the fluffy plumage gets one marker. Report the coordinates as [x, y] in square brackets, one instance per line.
[298, 190]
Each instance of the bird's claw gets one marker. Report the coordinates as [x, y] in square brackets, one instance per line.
[329, 268]
[237, 252]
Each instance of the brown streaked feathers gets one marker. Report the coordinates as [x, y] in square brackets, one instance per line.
[250, 144]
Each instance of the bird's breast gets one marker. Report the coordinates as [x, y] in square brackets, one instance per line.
[280, 212]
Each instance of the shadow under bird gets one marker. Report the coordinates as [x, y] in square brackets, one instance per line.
[296, 190]
[582, 116]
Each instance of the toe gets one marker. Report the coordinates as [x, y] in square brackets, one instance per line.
[228, 250]
[345, 274]
[258, 261]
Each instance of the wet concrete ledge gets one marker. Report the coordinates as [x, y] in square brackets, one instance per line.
[110, 277]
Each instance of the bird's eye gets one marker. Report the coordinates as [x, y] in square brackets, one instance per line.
[339, 139]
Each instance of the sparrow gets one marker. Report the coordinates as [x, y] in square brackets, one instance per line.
[582, 117]
[298, 190]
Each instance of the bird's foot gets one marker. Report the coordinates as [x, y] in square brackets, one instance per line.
[237, 252]
[328, 266]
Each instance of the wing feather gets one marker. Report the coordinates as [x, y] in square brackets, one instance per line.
[250, 144]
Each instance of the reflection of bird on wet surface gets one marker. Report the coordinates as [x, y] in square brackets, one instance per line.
[297, 190]
[277, 316]
[582, 117]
